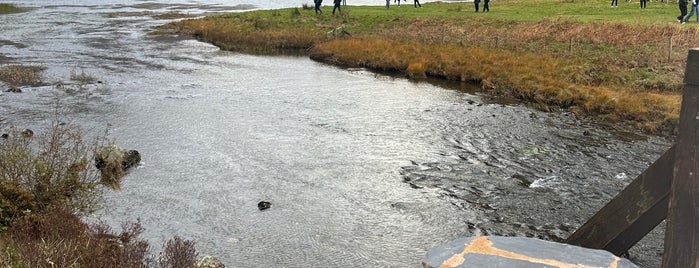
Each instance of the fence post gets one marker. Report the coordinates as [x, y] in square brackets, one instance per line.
[682, 233]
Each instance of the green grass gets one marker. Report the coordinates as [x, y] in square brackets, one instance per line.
[8, 8]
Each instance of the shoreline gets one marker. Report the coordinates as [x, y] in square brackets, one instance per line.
[579, 67]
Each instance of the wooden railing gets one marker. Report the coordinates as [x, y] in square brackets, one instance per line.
[668, 189]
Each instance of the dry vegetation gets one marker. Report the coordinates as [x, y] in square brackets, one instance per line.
[21, 75]
[47, 181]
[621, 67]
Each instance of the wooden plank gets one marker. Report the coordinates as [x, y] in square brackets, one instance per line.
[634, 212]
[682, 233]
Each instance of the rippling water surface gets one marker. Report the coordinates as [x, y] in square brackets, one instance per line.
[362, 169]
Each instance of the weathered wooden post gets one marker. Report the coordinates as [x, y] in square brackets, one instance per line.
[682, 233]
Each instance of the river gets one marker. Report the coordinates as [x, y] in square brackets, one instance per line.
[362, 169]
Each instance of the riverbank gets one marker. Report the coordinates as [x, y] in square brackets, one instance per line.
[619, 65]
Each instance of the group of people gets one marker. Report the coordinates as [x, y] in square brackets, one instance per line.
[615, 3]
[416, 3]
[486, 6]
[336, 6]
[684, 17]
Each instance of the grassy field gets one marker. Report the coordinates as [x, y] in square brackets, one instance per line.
[622, 65]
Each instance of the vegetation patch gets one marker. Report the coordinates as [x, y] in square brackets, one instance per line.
[9, 8]
[47, 182]
[21, 75]
[622, 65]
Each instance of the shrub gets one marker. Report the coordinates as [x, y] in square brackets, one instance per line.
[49, 171]
[178, 253]
[59, 238]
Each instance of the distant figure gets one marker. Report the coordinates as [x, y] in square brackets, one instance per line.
[396, 1]
[615, 3]
[643, 3]
[388, 4]
[317, 8]
[417, 4]
[344, 2]
[337, 6]
[691, 12]
[476, 3]
[486, 7]
[683, 10]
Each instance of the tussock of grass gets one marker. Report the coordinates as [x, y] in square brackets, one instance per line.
[9, 8]
[625, 66]
[21, 75]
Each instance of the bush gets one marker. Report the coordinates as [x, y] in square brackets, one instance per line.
[178, 253]
[60, 238]
[47, 172]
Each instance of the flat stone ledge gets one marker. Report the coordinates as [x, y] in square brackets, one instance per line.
[521, 252]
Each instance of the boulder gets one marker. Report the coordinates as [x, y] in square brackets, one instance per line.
[498, 251]
[113, 161]
[209, 262]
[264, 205]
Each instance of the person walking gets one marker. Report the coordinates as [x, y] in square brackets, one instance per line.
[317, 7]
[417, 4]
[486, 7]
[682, 4]
[615, 3]
[476, 3]
[388, 4]
[691, 12]
[337, 6]
[643, 3]
[396, 1]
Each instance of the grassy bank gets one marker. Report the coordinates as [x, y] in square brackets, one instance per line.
[622, 65]
[8, 8]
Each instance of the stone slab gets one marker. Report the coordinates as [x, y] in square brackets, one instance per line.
[498, 251]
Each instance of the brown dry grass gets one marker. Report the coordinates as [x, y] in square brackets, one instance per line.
[21, 75]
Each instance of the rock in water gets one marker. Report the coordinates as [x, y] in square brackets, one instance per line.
[264, 205]
[209, 262]
[113, 161]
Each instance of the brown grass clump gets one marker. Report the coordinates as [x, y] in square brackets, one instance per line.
[58, 238]
[21, 75]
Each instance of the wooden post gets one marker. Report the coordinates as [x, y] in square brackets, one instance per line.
[634, 212]
[669, 51]
[682, 233]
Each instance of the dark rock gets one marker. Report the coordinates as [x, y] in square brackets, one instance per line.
[113, 161]
[14, 90]
[264, 205]
[5, 135]
[27, 133]
[131, 158]
[522, 180]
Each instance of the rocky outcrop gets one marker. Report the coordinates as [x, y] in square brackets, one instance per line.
[495, 251]
[113, 162]
[209, 262]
